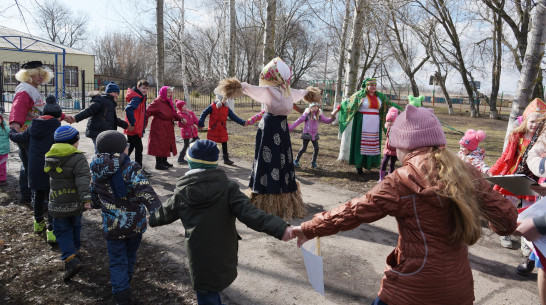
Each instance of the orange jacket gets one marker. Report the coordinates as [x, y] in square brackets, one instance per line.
[426, 267]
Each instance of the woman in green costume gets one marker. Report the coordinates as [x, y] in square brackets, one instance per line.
[366, 109]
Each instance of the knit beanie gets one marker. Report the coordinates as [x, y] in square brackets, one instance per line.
[111, 141]
[180, 104]
[203, 154]
[392, 114]
[416, 127]
[471, 139]
[66, 134]
[52, 108]
[112, 87]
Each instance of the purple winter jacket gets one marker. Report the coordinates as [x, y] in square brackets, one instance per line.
[311, 126]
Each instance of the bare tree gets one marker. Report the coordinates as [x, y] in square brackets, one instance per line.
[160, 44]
[60, 24]
[342, 51]
[182, 53]
[232, 38]
[354, 49]
[269, 37]
[531, 64]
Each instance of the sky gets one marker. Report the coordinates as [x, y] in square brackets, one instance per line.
[106, 16]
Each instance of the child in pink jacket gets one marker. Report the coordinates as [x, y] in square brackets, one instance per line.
[188, 128]
[311, 116]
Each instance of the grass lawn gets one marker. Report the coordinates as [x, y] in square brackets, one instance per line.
[331, 171]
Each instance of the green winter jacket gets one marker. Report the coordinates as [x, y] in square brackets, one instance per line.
[70, 179]
[208, 202]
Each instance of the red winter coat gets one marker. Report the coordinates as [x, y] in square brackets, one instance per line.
[217, 122]
[161, 141]
[134, 98]
[426, 267]
[188, 130]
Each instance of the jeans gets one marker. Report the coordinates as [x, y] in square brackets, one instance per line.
[40, 200]
[24, 190]
[378, 301]
[67, 231]
[135, 143]
[208, 298]
[304, 148]
[122, 253]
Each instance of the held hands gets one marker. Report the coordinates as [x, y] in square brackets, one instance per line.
[131, 128]
[297, 232]
[527, 229]
[539, 188]
[16, 126]
[87, 205]
[70, 119]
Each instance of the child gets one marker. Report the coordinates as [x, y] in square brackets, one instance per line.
[135, 115]
[438, 203]
[389, 152]
[208, 202]
[219, 112]
[312, 115]
[4, 148]
[123, 193]
[70, 178]
[514, 157]
[188, 130]
[40, 136]
[470, 152]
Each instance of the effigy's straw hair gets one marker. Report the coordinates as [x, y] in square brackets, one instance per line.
[312, 95]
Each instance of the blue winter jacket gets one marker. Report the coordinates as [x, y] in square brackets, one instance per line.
[40, 136]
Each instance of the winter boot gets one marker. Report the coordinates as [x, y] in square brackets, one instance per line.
[159, 164]
[167, 163]
[39, 227]
[181, 160]
[297, 163]
[359, 171]
[72, 265]
[146, 173]
[314, 165]
[227, 161]
[123, 298]
[382, 175]
[50, 237]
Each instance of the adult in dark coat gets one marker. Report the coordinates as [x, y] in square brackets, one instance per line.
[40, 136]
[102, 113]
[162, 142]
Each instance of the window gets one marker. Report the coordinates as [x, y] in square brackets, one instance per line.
[70, 76]
[10, 69]
[52, 69]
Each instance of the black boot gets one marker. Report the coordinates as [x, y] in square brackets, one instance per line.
[159, 164]
[167, 163]
[123, 298]
[359, 171]
[72, 265]
[227, 161]
[526, 267]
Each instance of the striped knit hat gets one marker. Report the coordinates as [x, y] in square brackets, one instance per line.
[416, 127]
[203, 154]
[66, 134]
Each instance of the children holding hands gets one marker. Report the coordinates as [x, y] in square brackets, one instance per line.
[188, 128]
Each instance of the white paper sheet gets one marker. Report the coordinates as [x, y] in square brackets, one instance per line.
[313, 265]
[537, 209]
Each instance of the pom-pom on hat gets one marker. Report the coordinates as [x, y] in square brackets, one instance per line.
[111, 141]
[32, 65]
[203, 154]
[66, 134]
[112, 87]
[392, 114]
[52, 108]
[472, 138]
[416, 127]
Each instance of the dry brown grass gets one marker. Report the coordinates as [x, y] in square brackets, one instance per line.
[241, 145]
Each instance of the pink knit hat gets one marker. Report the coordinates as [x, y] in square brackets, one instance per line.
[416, 127]
[392, 114]
[471, 139]
[180, 104]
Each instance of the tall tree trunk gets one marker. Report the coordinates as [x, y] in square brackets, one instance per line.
[354, 51]
[531, 64]
[269, 36]
[341, 66]
[160, 44]
[442, 83]
[232, 39]
[497, 62]
[414, 87]
[183, 53]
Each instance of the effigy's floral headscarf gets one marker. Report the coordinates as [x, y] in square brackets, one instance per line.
[276, 73]
[369, 81]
